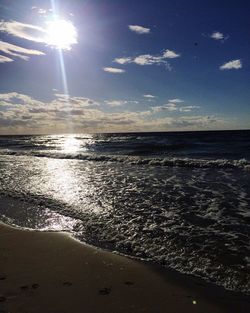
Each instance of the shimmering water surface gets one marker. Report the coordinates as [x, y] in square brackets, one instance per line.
[179, 199]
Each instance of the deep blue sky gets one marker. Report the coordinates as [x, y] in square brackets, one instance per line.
[205, 95]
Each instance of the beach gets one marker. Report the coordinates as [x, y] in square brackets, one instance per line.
[124, 157]
[52, 272]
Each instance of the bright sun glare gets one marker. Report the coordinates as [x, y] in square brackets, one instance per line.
[61, 34]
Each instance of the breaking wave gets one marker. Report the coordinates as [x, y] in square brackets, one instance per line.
[137, 160]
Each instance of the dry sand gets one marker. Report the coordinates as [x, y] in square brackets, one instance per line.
[53, 273]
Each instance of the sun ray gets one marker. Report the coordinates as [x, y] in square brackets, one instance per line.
[61, 34]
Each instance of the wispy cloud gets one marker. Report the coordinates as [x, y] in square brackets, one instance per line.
[188, 108]
[139, 29]
[113, 70]
[174, 106]
[40, 10]
[18, 51]
[4, 59]
[78, 102]
[176, 100]
[149, 96]
[234, 64]
[24, 31]
[165, 107]
[149, 59]
[116, 102]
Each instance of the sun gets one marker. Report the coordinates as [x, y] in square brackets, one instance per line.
[61, 34]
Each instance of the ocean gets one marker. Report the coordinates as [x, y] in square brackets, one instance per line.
[178, 199]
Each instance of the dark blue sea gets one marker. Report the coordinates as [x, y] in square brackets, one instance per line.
[179, 199]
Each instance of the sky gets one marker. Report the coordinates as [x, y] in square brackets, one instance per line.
[121, 66]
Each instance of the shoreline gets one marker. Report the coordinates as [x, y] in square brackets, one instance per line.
[53, 272]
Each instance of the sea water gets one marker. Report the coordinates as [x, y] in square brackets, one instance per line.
[179, 199]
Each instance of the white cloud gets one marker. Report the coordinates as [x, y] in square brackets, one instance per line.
[24, 31]
[4, 59]
[78, 102]
[171, 107]
[149, 59]
[149, 96]
[217, 36]
[61, 95]
[165, 107]
[120, 102]
[39, 10]
[42, 11]
[175, 100]
[139, 29]
[170, 54]
[18, 51]
[122, 60]
[174, 107]
[13, 96]
[234, 64]
[21, 113]
[113, 70]
[116, 102]
[188, 108]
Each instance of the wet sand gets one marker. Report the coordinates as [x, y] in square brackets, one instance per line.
[53, 273]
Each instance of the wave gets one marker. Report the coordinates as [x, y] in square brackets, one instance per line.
[138, 160]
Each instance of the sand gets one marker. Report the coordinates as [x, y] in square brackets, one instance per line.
[54, 273]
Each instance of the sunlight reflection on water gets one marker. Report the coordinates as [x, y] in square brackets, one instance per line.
[61, 180]
[55, 222]
[71, 183]
[71, 144]
[74, 143]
